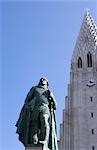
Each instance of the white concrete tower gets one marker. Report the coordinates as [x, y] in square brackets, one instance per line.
[79, 127]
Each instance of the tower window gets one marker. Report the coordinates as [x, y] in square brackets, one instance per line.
[79, 62]
[91, 98]
[93, 148]
[92, 114]
[89, 59]
[92, 131]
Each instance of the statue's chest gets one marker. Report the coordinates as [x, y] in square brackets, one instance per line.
[40, 91]
[41, 95]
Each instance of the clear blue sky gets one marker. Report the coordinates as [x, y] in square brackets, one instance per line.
[37, 40]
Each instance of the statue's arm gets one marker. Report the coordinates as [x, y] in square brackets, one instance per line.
[52, 98]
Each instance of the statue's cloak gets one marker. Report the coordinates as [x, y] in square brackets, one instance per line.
[24, 120]
[23, 125]
[52, 137]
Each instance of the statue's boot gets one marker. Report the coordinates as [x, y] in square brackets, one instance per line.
[45, 146]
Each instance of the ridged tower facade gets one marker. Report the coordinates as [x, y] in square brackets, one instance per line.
[78, 130]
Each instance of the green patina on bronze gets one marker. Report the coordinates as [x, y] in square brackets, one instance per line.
[36, 124]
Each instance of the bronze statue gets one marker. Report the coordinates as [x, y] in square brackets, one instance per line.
[36, 124]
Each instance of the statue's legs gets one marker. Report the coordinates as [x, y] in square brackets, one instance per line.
[45, 129]
[33, 138]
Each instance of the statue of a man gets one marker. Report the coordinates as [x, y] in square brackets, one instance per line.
[36, 124]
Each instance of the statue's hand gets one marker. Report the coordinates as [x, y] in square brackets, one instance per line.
[35, 139]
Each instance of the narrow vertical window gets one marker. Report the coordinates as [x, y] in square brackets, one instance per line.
[92, 115]
[93, 148]
[89, 59]
[79, 62]
[92, 131]
[91, 99]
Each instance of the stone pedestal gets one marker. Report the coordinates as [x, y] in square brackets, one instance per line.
[36, 148]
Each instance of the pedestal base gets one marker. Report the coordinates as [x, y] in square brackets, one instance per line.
[34, 148]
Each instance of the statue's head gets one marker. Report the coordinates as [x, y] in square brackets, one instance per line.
[43, 81]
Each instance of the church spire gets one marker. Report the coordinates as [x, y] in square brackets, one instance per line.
[87, 35]
[91, 25]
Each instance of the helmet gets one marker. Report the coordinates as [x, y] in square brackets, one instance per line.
[43, 81]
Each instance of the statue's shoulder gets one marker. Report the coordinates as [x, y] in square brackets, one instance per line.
[51, 93]
[33, 88]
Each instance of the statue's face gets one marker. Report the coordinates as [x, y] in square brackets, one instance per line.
[44, 82]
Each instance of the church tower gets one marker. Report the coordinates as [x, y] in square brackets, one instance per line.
[78, 130]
